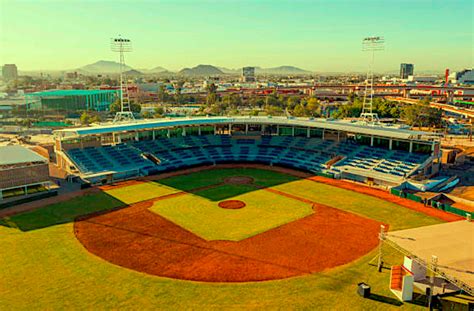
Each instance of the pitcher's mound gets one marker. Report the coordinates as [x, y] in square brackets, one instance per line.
[231, 204]
[239, 180]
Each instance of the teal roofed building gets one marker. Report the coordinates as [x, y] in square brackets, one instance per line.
[71, 100]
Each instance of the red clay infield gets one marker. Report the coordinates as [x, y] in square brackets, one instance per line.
[139, 239]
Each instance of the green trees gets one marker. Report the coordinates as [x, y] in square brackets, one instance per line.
[383, 108]
[159, 112]
[178, 87]
[88, 118]
[422, 115]
[211, 97]
[147, 115]
[134, 107]
[232, 101]
[313, 107]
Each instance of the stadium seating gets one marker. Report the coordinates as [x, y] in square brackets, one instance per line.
[309, 154]
[120, 157]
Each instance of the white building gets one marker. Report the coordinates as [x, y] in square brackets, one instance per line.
[465, 76]
[423, 79]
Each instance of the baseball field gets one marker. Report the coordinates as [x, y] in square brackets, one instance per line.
[226, 237]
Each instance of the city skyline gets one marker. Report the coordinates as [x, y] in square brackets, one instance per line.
[318, 36]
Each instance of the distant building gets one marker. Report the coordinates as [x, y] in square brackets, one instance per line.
[423, 79]
[465, 76]
[9, 72]
[248, 74]
[71, 75]
[406, 70]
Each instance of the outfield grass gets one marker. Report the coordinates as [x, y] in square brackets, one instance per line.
[214, 176]
[60, 213]
[396, 216]
[47, 268]
[203, 216]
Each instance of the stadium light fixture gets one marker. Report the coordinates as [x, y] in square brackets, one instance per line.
[122, 46]
[370, 44]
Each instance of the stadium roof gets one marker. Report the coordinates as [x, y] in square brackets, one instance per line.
[340, 125]
[451, 242]
[18, 154]
[69, 93]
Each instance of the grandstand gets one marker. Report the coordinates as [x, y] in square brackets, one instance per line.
[23, 172]
[377, 154]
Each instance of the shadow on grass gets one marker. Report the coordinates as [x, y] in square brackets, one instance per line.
[100, 203]
[262, 179]
[384, 299]
[225, 191]
[64, 212]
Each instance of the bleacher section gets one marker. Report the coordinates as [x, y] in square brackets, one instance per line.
[118, 158]
[392, 162]
[309, 154]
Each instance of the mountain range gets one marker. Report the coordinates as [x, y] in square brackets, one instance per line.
[111, 67]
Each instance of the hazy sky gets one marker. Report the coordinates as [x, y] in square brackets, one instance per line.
[315, 35]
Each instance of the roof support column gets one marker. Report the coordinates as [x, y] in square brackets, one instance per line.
[293, 131]
[184, 131]
[308, 132]
[230, 128]
[278, 129]
[168, 134]
[323, 135]
[246, 129]
[136, 136]
[153, 134]
[390, 143]
[371, 140]
[411, 147]
[199, 130]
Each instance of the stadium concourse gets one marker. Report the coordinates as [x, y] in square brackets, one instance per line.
[374, 154]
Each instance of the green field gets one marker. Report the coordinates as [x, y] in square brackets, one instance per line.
[140, 192]
[43, 266]
[203, 217]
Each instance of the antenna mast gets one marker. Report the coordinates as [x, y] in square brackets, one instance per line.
[122, 46]
[370, 44]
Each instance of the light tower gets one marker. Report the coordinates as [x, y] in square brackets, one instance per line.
[122, 46]
[370, 44]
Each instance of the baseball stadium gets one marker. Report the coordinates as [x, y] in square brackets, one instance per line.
[231, 213]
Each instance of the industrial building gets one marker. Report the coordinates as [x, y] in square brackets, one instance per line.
[71, 100]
